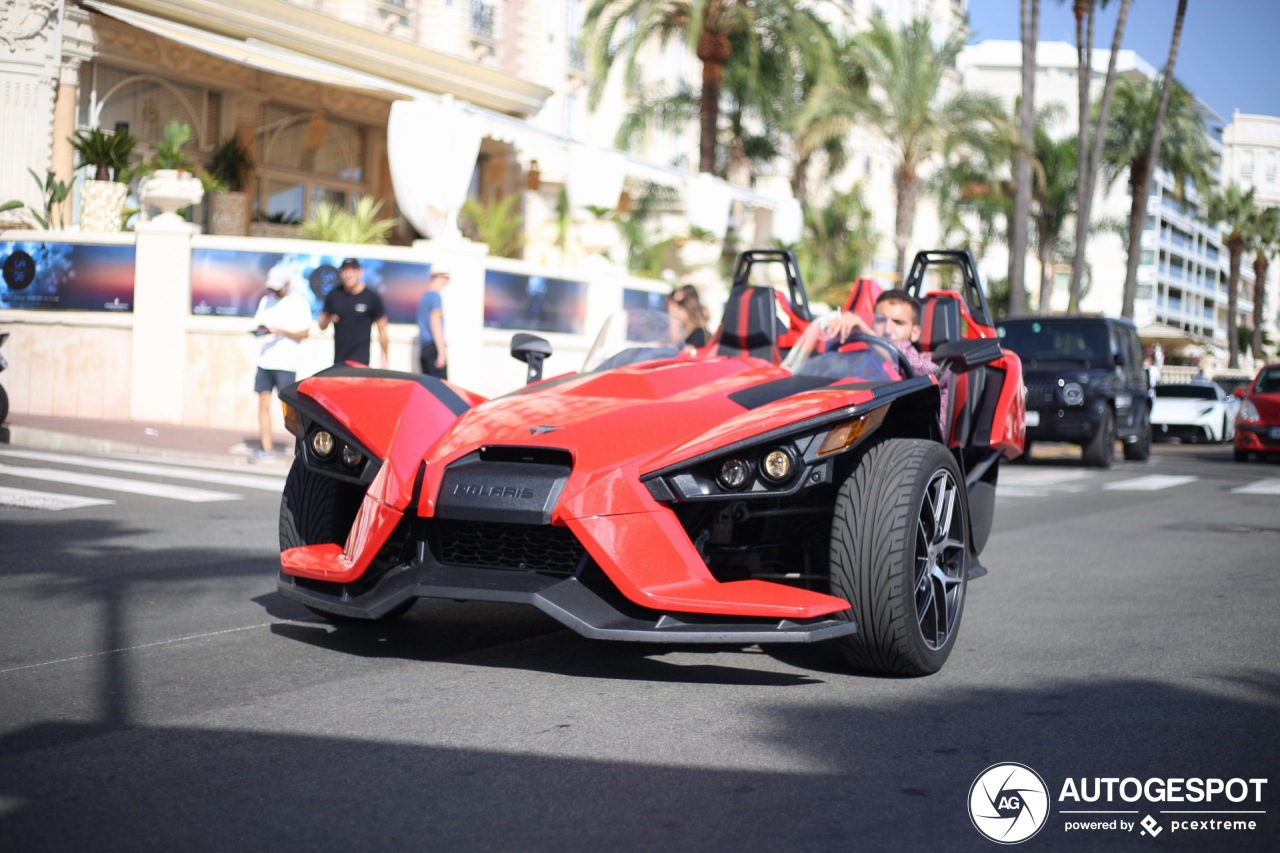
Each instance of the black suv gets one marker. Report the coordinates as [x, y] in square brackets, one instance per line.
[1085, 383]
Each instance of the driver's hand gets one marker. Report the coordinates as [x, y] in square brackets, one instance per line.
[845, 324]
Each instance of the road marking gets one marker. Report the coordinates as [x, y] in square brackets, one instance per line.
[1259, 487]
[266, 483]
[29, 499]
[162, 643]
[1036, 477]
[1149, 483]
[117, 484]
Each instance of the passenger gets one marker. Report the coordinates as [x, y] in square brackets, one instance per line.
[897, 319]
[685, 305]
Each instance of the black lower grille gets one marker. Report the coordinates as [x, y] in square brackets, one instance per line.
[522, 547]
[1041, 394]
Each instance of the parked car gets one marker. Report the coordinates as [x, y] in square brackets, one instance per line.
[1193, 411]
[723, 495]
[1085, 383]
[1258, 423]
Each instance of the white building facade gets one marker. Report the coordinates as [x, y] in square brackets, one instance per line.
[1182, 276]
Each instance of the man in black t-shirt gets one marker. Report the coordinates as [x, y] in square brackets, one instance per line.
[354, 309]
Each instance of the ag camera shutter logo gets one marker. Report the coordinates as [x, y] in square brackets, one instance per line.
[1008, 803]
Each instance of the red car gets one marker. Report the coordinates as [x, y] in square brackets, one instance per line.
[737, 494]
[1258, 421]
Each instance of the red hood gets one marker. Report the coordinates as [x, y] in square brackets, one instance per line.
[1268, 406]
[631, 420]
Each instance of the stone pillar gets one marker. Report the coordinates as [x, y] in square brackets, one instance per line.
[30, 57]
[161, 305]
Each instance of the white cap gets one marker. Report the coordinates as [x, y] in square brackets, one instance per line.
[278, 277]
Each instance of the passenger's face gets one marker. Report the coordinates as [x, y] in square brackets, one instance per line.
[896, 321]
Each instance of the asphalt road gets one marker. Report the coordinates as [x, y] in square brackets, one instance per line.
[156, 694]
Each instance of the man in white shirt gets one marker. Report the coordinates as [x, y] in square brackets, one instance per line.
[284, 321]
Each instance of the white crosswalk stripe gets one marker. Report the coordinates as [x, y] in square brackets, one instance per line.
[1149, 483]
[1259, 487]
[31, 499]
[118, 484]
[264, 482]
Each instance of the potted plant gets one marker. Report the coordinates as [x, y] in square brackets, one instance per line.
[172, 181]
[232, 168]
[102, 196]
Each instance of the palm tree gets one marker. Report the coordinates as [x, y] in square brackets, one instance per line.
[1263, 230]
[1185, 152]
[1055, 195]
[1022, 171]
[905, 72]
[619, 28]
[839, 245]
[1089, 156]
[1141, 188]
[1233, 209]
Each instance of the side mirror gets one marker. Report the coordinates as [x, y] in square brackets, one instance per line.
[532, 350]
[1120, 359]
[967, 353]
[1239, 392]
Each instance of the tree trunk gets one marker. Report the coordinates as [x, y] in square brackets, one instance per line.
[1235, 248]
[713, 50]
[1046, 279]
[1260, 264]
[907, 185]
[1153, 163]
[1139, 186]
[1089, 172]
[1022, 179]
[1083, 10]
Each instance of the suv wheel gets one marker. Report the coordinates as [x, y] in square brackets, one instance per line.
[1101, 449]
[1139, 450]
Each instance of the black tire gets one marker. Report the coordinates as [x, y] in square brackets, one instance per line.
[1240, 455]
[316, 509]
[1140, 449]
[899, 555]
[4, 405]
[1100, 452]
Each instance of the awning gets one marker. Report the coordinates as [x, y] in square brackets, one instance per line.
[290, 39]
[263, 57]
[1169, 337]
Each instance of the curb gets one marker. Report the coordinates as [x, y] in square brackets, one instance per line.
[43, 439]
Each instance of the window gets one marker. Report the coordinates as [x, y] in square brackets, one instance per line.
[1246, 162]
[305, 158]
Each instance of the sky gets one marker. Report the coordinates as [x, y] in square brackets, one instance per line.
[1229, 56]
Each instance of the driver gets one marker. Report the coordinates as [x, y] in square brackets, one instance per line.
[897, 319]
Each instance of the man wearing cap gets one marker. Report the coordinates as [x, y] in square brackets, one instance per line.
[433, 356]
[354, 309]
[283, 321]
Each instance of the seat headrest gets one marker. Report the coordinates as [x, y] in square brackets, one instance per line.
[939, 321]
[749, 326]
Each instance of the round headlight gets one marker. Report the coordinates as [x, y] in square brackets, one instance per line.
[1073, 394]
[323, 444]
[350, 456]
[733, 473]
[777, 465]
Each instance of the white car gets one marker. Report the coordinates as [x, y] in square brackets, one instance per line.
[1193, 411]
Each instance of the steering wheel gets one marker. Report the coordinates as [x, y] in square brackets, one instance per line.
[866, 341]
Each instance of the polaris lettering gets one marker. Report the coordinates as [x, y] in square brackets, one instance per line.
[477, 490]
[1130, 790]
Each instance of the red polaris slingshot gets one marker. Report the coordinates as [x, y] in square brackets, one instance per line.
[783, 484]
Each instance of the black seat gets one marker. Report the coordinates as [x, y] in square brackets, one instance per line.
[749, 326]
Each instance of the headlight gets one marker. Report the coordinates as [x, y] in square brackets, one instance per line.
[351, 457]
[1072, 393]
[733, 473]
[1249, 412]
[777, 465]
[322, 444]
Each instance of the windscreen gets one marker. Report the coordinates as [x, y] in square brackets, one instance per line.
[1039, 342]
[1191, 391]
